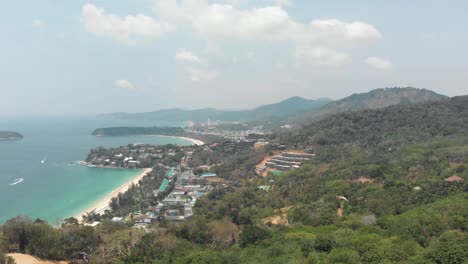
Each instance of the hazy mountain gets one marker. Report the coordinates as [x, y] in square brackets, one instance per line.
[375, 99]
[277, 110]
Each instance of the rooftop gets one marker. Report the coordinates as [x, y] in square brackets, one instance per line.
[208, 174]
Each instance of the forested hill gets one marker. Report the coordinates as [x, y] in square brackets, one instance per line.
[281, 109]
[388, 128]
[4, 135]
[375, 99]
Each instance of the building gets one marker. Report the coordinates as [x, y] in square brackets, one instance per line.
[454, 178]
[208, 174]
[173, 200]
[288, 161]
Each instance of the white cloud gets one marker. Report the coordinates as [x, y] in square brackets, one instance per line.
[125, 85]
[321, 56]
[126, 29]
[197, 75]
[282, 2]
[185, 55]
[379, 63]
[238, 2]
[37, 23]
[322, 41]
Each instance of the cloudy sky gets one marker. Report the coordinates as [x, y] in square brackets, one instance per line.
[86, 57]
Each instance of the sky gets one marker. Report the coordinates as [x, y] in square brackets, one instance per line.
[89, 57]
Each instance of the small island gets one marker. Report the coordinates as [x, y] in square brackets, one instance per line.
[10, 135]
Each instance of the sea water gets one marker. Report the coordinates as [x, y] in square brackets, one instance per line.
[40, 176]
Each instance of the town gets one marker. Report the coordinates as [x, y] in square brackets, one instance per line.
[181, 175]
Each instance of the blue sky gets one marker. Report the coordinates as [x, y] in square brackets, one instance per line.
[87, 57]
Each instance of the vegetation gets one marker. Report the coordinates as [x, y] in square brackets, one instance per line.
[376, 192]
[375, 99]
[388, 129]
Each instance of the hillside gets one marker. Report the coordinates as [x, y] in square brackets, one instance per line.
[387, 128]
[375, 99]
[281, 109]
[9, 135]
[378, 190]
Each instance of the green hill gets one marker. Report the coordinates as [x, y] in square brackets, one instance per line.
[375, 99]
[387, 128]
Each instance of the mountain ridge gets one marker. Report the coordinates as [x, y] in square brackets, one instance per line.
[280, 109]
[374, 99]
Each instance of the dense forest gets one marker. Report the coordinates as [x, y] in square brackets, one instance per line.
[387, 129]
[386, 186]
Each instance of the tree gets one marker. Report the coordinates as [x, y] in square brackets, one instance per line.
[70, 221]
[78, 239]
[6, 260]
[44, 241]
[450, 248]
[223, 233]
[252, 234]
[15, 232]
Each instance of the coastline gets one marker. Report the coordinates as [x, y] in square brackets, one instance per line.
[194, 141]
[101, 205]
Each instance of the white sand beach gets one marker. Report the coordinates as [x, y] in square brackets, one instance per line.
[101, 205]
[194, 141]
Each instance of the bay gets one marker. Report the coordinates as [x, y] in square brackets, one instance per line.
[59, 187]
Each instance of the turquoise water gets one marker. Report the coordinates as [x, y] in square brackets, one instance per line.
[60, 187]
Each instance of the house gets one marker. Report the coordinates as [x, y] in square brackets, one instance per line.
[117, 219]
[265, 188]
[454, 178]
[208, 174]
[213, 180]
[175, 200]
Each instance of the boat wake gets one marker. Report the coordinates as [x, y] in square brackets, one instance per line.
[17, 181]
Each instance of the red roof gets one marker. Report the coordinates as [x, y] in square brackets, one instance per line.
[454, 178]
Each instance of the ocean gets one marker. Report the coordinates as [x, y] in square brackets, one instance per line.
[59, 187]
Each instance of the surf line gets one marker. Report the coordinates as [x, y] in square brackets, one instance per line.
[17, 181]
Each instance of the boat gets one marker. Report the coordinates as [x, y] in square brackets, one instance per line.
[16, 181]
[44, 160]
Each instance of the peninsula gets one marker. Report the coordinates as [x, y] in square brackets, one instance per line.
[10, 135]
[178, 132]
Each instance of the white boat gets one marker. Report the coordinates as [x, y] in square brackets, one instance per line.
[44, 160]
[17, 181]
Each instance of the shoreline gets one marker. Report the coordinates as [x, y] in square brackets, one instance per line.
[101, 205]
[194, 141]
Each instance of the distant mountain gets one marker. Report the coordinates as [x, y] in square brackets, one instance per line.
[277, 110]
[10, 135]
[375, 99]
